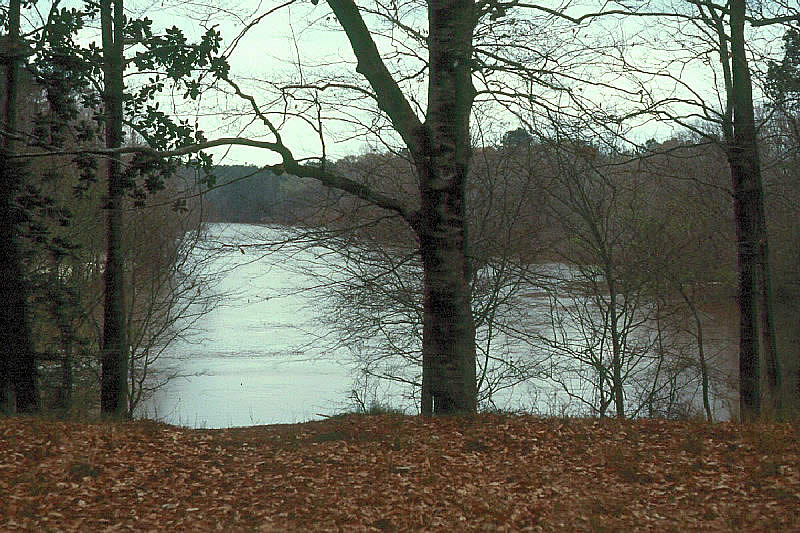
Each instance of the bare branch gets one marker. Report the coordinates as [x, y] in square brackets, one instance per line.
[611, 12]
[330, 85]
[370, 65]
[754, 21]
[139, 149]
[289, 165]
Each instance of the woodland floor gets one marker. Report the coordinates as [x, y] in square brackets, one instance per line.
[395, 473]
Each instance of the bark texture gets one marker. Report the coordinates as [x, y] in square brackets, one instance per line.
[441, 151]
[18, 391]
[751, 233]
[449, 374]
[115, 346]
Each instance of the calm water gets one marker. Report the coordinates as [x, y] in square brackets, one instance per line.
[260, 361]
[255, 362]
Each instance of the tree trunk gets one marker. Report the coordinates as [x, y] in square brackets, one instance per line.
[748, 204]
[701, 353]
[768, 339]
[616, 357]
[17, 359]
[115, 348]
[442, 152]
[67, 382]
[746, 237]
[448, 346]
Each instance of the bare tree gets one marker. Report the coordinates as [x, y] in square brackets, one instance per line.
[440, 149]
[631, 244]
[374, 292]
[466, 43]
[610, 310]
[172, 283]
[718, 34]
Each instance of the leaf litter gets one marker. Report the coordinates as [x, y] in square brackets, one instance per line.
[399, 473]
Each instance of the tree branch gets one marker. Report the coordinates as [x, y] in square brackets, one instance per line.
[390, 98]
[338, 181]
[756, 22]
[587, 16]
[140, 149]
[329, 85]
[289, 165]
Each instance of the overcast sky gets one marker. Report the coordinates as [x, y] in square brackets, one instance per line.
[300, 33]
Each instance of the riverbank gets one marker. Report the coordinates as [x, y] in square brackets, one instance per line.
[398, 473]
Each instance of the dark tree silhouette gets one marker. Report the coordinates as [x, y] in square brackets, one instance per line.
[17, 359]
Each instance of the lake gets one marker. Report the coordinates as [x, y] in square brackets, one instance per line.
[260, 358]
[254, 363]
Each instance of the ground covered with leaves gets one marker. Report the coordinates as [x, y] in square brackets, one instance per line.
[395, 473]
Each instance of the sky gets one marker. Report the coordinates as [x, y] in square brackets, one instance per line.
[300, 42]
[265, 56]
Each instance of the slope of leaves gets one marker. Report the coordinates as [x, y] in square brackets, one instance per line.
[394, 473]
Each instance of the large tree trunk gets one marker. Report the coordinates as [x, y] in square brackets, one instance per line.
[768, 338]
[448, 347]
[749, 368]
[448, 342]
[115, 346]
[751, 233]
[17, 359]
[442, 152]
